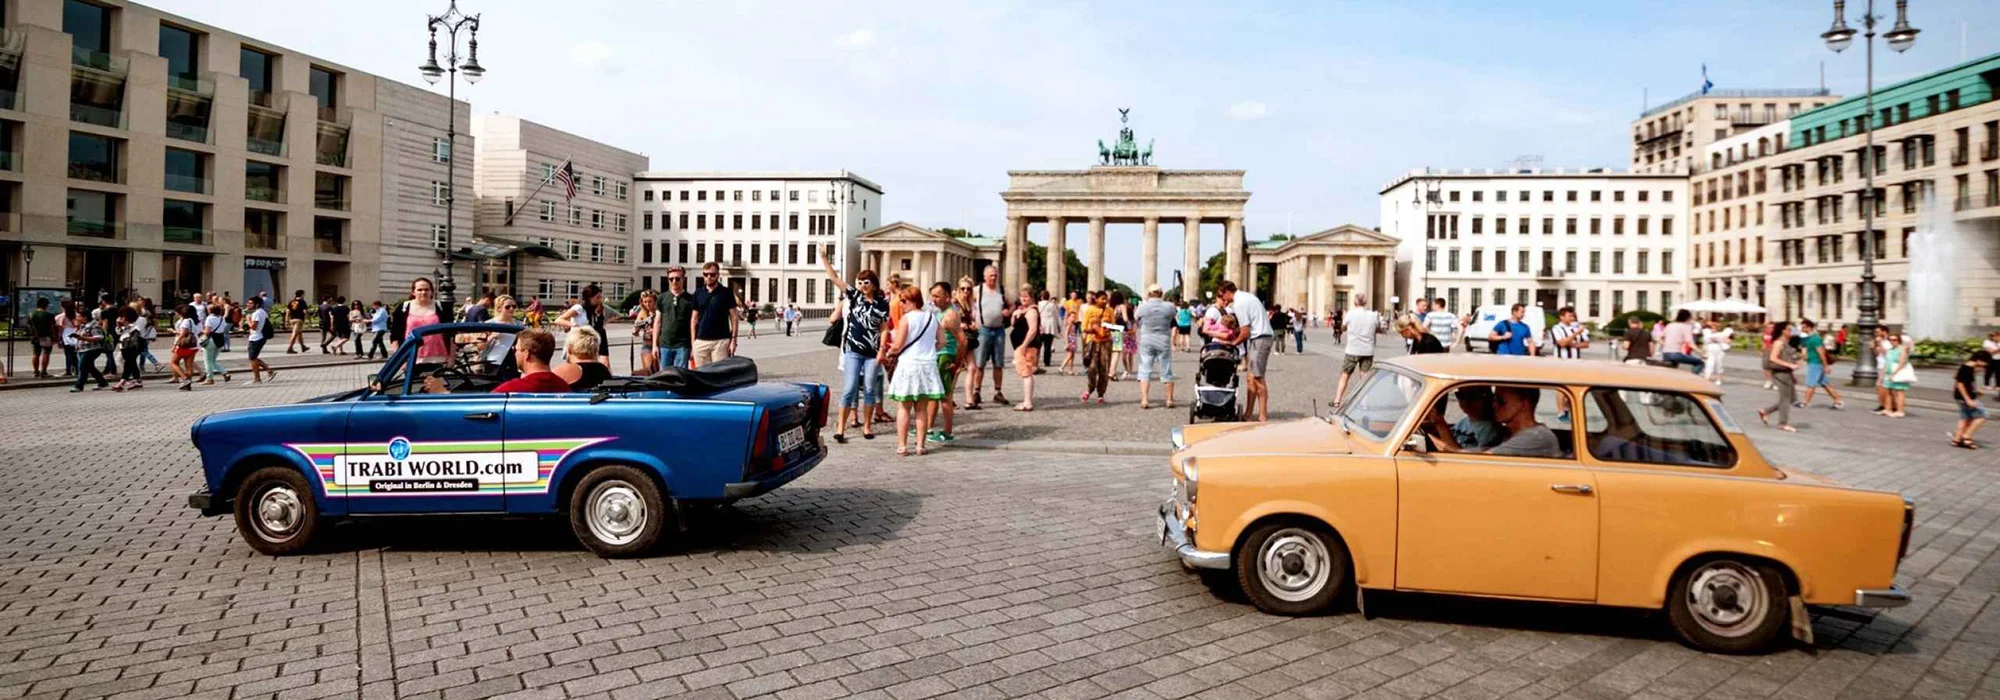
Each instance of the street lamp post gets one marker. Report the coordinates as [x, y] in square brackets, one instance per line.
[451, 21]
[1838, 37]
[1425, 198]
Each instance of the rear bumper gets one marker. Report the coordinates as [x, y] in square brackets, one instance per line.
[1891, 597]
[739, 490]
[1173, 535]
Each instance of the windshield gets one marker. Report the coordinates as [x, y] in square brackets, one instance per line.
[1379, 405]
[475, 363]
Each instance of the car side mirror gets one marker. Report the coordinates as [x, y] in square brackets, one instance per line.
[374, 383]
[1417, 444]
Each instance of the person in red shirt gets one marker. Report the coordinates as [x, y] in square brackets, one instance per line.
[533, 348]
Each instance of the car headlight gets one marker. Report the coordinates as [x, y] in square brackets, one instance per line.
[1193, 479]
[1179, 439]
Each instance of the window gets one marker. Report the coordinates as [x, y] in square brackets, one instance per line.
[1548, 195]
[575, 251]
[95, 158]
[1548, 225]
[736, 196]
[1643, 255]
[1523, 228]
[548, 211]
[440, 150]
[1596, 225]
[622, 224]
[1569, 226]
[597, 252]
[1499, 195]
[1596, 264]
[1430, 260]
[1618, 195]
[1617, 226]
[1478, 195]
[1617, 262]
[1448, 430]
[575, 216]
[624, 191]
[1664, 195]
[1476, 224]
[182, 49]
[1666, 225]
[1478, 256]
[548, 173]
[1453, 195]
[325, 88]
[1569, 261]
[1379, 404]
[437, 236]
[596, 219]
[1572, 196]
[618, 255]
[597, 185]
[1451, 260]
[646, 221]
[1654, 427]
[1499, 225]
[258, 68]
[440, 193]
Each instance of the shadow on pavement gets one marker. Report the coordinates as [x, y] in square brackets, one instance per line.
[787, 520]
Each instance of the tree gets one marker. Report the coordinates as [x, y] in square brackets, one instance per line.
[1211, 277]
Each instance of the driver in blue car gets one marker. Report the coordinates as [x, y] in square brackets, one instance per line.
[533, 348]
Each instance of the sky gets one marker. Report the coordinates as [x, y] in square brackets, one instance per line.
[1322, 103]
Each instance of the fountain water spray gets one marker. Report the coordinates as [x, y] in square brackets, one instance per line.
[1934, 251]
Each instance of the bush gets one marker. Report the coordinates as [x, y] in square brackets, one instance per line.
[1949, 352]
[1615, 328]
[631, 301]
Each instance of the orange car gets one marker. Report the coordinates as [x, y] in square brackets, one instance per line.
[1533, 479]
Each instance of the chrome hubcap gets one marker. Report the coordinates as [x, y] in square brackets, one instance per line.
[616, 513]
[278, 513]
[1728, 599]
[1293, 565]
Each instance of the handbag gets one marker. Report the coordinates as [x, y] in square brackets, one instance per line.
[831, 338]
[889, 362]
[1907, 374]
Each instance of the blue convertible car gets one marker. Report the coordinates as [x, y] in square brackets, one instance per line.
[622, 461]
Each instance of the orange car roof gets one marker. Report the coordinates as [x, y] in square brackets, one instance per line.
[1503, 368]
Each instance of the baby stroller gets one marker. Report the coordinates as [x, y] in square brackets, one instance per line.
[1215, 384]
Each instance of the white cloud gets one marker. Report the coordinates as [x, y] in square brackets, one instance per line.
[589, 54]
[1247, 110]
[858, 39]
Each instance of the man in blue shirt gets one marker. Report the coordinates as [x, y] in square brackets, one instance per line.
[1512, 336]
[714, 318]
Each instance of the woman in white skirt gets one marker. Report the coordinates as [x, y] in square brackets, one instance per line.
[916, 383]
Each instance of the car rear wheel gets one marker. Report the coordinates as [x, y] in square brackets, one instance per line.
[276, 513]
[1729, 605]
[1293, 569]
[618, 511]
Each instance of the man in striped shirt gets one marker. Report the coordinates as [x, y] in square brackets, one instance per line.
[1569, 337]
[1442, 322]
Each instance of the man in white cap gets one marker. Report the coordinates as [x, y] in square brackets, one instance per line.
[1155, 318]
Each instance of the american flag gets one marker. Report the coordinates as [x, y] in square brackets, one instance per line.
[566, 174]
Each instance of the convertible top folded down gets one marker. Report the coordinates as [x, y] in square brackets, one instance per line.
[714, 377]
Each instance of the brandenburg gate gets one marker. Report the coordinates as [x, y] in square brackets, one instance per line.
[1123, 188]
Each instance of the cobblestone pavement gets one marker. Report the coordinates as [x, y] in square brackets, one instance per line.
[963, 574]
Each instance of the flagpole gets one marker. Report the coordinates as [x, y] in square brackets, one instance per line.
[538, 190]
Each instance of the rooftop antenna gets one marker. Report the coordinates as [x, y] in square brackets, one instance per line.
[1644, 102]
[1822, 75]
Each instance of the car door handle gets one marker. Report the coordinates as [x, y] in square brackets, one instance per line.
[488, 415]
[1579, 489]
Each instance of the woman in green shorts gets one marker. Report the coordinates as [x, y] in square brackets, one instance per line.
[947, 360]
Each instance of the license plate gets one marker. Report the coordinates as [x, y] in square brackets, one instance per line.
[791, 439]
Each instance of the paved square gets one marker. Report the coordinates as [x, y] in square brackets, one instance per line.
[968, 573]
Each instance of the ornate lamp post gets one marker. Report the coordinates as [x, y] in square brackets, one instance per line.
[452, 21]
[1838, 37]
[1426, 196]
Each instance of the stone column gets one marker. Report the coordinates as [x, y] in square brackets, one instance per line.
[1097, 252]
[941, 269]
[1248, 282]
[1057, 244]
[1150, 243]
[1191, 259]
[1012, 262]
[1367, 286]
[1232, 247]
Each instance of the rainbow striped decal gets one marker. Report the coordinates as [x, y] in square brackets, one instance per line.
[401, 467]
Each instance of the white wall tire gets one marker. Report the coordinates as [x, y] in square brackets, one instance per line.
[618, 511]
[1729, 605]
[275, 512]
[1292, 568]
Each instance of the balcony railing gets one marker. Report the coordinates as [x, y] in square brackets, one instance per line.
[331, 147]
[336, 201]
[1548, 273]
[190, 235]
[1753, 119]
[84, 57]
[96, 229]
[263, 241]
[273, 195]
[93, 173]
[98, 115]
[265, 146]
[267, 124]
[10, 161]
[189, 104]
[187, 132]
[187, 183]
[1961, 156]
[323, 244]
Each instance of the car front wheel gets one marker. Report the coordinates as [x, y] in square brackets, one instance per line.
[1293, 569]
[618, 512]
[275, 511]
[1729, 605]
